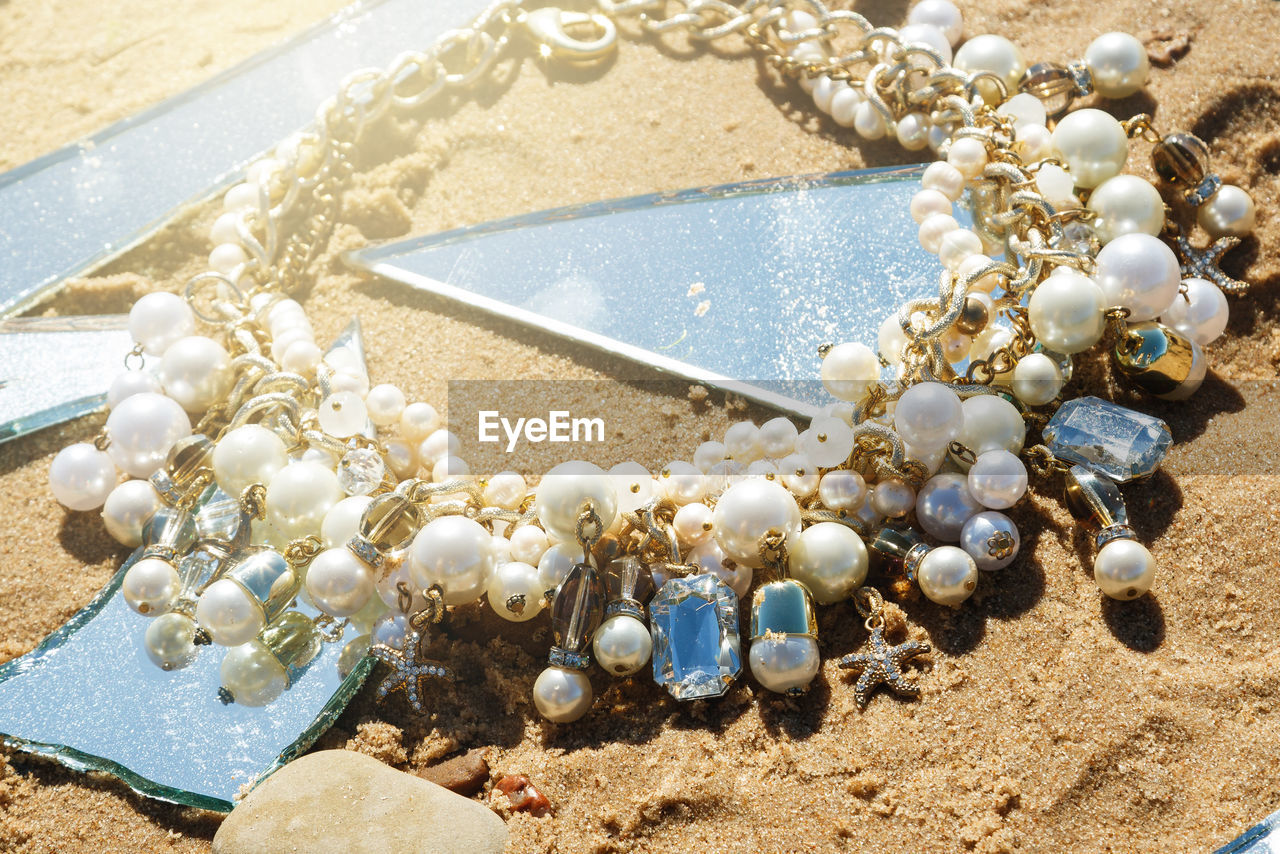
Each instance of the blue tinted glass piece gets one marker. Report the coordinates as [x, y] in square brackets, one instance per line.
[694, 622]
[1108, 438]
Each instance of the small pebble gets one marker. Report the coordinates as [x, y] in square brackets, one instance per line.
[465, 774]
[523, 795]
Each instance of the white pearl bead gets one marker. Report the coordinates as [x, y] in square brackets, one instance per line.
[742, 442]
[245, 455]
[343, 414]
[749, 510]
[506, 490]
[196, 372]
[842, 490]
[1229, 212]
[127, 510]
[252, 675]
[622, 645]
[555, 564]
[1066, 311]
[229, 613]
[1034, 142]
[830, 559]
[563, 492]
[159, 319]
[1118, 63]
[128, 383]
[682, 482]
[928, 415]
[562, 695]
[983, 534]
[436, 446]
[971, 266]
[849, 370]
[929, 36]
[299, 496]
[1139, 272]
[868, 121]
[151, 586]
[934, 228]
[799, 475]
[844, 106]
[418, 421]
[992, 423]
[515, 591]
[528, 542]
[797, 21]
[1024, 108]
[824, 89]
[958, 246]
[912, 131]
[890, 339]
[713, 559]
[778, 437]
[633, 485]
[338, 582]
[764, 468]
[81, 477]
[928, 202]
[1124, 569]
[1057, 185]
[1126, 204]
[225, 229]
[942, 14]
[301, 357]
[1037, 379]
[401, 457]
[708, 454]
[995, 54]
[693, 524]
[944, 178]
[1200, 313]
[944, 504]
[988, 341]
[142, 429]
[450, 468]
[784, 664]
[386, 404]
[828, 442]
[892, 498]
[947, 575]
[955, 345]
[170, 641]
[998, 479]
[456, 553]
[1094, 145]
[225, 257]
[240, 196]
[342, 522]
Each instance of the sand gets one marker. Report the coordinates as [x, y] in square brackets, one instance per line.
[1052, 719]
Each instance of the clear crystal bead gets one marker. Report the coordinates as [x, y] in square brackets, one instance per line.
[1110, 439]
[361, 471]
[694, 621]
[221, 519]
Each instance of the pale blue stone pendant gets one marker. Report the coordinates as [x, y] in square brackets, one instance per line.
[1110, 439]
[694, 621]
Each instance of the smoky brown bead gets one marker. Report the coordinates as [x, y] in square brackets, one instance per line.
[1181, 159]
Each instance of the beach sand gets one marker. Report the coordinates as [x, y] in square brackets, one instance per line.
[1052, 719]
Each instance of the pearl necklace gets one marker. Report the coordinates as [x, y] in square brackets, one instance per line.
[300, 478]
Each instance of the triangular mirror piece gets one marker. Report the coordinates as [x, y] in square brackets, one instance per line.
[734, 286]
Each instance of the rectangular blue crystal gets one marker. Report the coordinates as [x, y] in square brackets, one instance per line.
[694, 622]
[1110, 439]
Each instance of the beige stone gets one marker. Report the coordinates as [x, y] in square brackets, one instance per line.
[346, 802]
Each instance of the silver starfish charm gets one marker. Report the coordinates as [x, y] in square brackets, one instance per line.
[407, 670]
[883, 666]
[1205, 263]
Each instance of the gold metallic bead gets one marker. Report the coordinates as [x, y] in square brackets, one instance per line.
[1181, 159]
[973, 316]
[1094, 500]
[783, 608]
[1159, 360]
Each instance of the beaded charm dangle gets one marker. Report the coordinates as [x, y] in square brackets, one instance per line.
[409, 665]
[622, 644]
[883, 664]
[784, 628]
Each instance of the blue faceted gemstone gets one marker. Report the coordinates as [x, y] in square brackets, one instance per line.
[1110, 439]
[694, 621]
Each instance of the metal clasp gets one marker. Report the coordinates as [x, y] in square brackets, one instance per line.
[550, 27]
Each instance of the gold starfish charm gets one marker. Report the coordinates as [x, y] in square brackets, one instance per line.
[1205, 263]
[407, 669]
[883, 666]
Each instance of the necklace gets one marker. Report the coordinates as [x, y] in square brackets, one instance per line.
[285, 432]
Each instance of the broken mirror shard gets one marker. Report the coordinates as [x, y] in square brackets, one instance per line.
[83, 204]
[734, 286]
[694, 622]
[84, 353]
[1111, 439]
